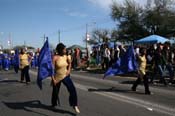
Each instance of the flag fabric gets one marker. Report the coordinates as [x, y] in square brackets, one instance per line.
[45, 68]
[127, 63]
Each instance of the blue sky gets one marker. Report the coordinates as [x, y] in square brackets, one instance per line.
[28, 20]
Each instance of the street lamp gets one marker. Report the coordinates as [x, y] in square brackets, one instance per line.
[87, 33]
[87, 39]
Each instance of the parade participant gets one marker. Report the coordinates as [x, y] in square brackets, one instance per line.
[1, 59]
[6, 62]
[106, 56]
[62, 66]
[159, 63]
[36, 59]
[16, 61]
[142, 72]
[167, 55]
[25, 61]
[74, 59]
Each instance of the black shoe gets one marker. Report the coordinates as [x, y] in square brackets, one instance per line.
[133, 89]
[53, 106]
[147, 93]
[21, 81]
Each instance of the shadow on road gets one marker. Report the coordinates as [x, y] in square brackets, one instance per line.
[127, 82]
[96, 71]
[9, 81]
[113, 89]
[34, 104]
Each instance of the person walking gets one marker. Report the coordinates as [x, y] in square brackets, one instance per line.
[142, 72]
[25, 61]
[159, 63]
[62, 67]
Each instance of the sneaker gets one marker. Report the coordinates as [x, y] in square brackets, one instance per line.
[148, 93]
[133, 89]
[28, 83]
[155, 83]
[88, 68]
[77, 109]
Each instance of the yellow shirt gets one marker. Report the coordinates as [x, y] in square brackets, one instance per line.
[142, 65]
[23, 60]
[61, 67]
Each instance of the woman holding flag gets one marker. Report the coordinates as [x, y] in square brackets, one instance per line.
[142, 72]
[62, 67]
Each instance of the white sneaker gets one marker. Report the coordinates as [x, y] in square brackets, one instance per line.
[77, 109]
[88, 68]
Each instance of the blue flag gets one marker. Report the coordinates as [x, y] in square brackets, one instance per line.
[127, 63]
[45, 68]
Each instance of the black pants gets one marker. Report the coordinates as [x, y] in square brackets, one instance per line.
[16, 68]
[71, 89]
[106, 63]
[138, 81]
[25, 73]
[159, 69]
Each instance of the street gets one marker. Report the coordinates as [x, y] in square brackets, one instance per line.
[96, 97]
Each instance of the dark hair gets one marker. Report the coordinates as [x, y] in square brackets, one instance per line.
[59, 49]
[22, 50]
[142, 50]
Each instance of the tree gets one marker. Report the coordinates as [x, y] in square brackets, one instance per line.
[100, 35]
[135, 21]
[159, 19]
[129, 18]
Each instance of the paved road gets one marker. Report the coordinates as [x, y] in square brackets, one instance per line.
[97, 97]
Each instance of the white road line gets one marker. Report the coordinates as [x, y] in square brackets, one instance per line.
[145, 104]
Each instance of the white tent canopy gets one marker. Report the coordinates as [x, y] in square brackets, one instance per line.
[152, 39]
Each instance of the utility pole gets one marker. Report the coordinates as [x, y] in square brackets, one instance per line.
[25, 47]
[9, 41]
[86, 34]
[58, 36]
[1, 41]
[87, 38]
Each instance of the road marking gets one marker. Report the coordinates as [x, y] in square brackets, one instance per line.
[145, 104]
[150, 109]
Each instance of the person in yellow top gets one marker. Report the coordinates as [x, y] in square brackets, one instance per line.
[25, 61]
[62, 67]
[142, 72]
